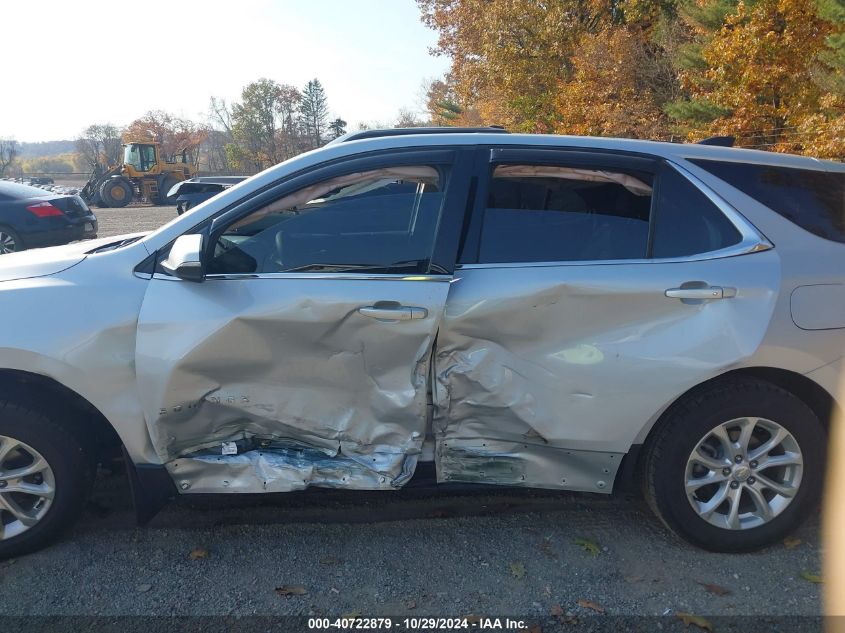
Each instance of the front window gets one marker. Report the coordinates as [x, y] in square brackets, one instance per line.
[378, 221]
[141, 157]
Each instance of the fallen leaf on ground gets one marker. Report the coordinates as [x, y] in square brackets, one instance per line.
[286, 591]
[715, 589]
[557, 610]
[198, 552]
[518, 570]
[143, 588]
[791, 542]
[546, 548]
[811, 577]
[472, 618]
[329, 560]
[410, 604]
[695, 620]
[589, 604]
[352, 615]
[588, 546]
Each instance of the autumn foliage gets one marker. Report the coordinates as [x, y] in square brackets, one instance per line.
[769, 72]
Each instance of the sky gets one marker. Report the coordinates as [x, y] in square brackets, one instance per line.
[81, 62]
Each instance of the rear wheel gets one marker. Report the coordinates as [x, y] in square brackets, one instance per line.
[44, 480]
[736, 467]
[165, 186]
[10, 242]
[116, 192]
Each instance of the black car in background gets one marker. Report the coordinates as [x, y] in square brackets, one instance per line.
[31, 217]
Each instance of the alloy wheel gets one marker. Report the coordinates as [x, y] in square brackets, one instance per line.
[743, 473]
[27, 487]
[7, 243]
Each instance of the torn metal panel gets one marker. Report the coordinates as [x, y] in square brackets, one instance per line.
[534, 361]
[289, 361]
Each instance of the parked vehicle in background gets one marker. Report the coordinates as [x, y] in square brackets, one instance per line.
[189, 193]
[520, 310]
[30, 217]
[144, 173]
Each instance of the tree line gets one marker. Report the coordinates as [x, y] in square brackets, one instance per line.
[769, 72]
[270, 123]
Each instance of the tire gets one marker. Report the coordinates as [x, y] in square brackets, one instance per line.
[10, 241]
[68, 473]
[116, 192]
[693, 425]
[164, 186]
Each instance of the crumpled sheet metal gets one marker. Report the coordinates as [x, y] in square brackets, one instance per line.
[538, 367]
[285, 469]
[290, 362]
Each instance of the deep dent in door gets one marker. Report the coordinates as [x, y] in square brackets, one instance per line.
[544, 376]
[309, 391]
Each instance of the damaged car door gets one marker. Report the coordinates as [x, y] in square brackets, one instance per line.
[593, 289]
[302, 358]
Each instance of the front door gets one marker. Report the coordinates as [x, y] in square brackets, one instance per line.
[303, 358]
[594, 289]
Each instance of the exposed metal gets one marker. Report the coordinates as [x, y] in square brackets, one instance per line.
[743, 473]
[27, 487]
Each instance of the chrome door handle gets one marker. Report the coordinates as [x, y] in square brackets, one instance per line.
[398, 313]
[709, 292]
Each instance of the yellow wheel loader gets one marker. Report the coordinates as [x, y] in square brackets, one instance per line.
[143, 174]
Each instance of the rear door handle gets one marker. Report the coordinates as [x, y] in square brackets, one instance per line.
[706, 293]
[398, 313]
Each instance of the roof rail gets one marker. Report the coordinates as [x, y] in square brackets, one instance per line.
[404, 131]
[720, 141]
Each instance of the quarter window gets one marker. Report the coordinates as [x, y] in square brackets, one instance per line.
[378, 221]
[686, 221]
[549, 213]
[810, 198]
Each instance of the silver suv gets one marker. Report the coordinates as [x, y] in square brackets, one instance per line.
[536, 311]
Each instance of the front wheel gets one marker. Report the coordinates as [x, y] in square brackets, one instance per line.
[44, 480]
[736, 467]
[116, 192]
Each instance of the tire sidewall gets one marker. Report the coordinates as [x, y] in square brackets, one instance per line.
[71, 472]
[689, 428]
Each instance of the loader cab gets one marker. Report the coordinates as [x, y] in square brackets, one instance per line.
[140, 156]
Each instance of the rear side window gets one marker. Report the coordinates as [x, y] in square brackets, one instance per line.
[812, 199]
[540, 213]
[686, 221]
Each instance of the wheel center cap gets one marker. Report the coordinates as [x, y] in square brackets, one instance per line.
[741, 473]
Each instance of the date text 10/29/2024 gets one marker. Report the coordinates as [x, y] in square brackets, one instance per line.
[416, 624]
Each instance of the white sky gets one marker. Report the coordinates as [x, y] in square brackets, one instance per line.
[70, 63]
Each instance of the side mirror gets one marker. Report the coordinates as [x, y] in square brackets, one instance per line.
[185, 259]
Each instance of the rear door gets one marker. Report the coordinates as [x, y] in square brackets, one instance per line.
[593, 289]
[303, 357]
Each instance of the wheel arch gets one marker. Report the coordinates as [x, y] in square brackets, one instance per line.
[820, 401]
[65, 407]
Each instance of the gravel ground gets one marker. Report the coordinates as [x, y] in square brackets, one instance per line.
[414, 552]
[132, 219]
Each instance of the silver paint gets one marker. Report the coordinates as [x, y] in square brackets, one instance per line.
[543, 375]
